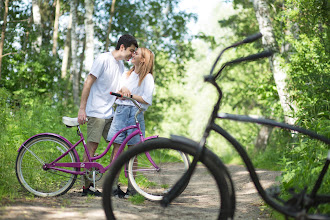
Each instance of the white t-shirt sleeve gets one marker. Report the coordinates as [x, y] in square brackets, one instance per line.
[148, 89]
[98, 66]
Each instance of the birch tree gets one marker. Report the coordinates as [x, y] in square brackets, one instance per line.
[279, 74]
[66, 52]
[37, 23]
[55, 33]
[112, 12]
[3, 33]
[89, 31]
[74, 45]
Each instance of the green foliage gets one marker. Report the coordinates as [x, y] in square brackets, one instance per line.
[302, 165]
[157, 24]
[308, 66]
[29, 117]
[309, 69]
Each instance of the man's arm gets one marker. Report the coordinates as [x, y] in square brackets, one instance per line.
[84, 96]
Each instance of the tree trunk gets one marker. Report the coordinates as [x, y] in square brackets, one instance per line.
[66, 53]
[110, 23]
[262, 139]
[37, 23]
[269, 42]
[82, 58]
[89, 31]
[74, 45]
[55, 34]
[3, 33]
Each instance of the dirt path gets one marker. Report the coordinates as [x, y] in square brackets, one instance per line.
[72, 206]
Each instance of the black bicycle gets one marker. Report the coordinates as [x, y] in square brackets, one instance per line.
[180, 198]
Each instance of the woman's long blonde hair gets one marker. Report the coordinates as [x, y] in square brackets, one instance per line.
[145, 67]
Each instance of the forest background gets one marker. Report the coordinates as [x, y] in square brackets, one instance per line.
[47, 49]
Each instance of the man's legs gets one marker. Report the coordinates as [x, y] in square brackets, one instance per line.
[96, 128]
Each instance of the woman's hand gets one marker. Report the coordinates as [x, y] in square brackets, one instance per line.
[125, 92]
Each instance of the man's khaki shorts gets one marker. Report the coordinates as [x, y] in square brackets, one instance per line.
[97, 127]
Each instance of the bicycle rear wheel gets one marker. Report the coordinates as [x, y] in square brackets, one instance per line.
[29, 166]
[154, 180]
[208, 195]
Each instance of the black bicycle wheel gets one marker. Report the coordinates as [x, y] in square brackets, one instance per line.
[153, 173]
[209, 194]
[29, 166]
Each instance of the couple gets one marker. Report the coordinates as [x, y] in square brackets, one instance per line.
[107, 75]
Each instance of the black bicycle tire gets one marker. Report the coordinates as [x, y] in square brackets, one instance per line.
[209, 159]
[21, 154]
[145, 193]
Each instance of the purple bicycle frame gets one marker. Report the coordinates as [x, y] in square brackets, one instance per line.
[55, 166]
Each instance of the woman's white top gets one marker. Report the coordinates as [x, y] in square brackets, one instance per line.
[145, 90]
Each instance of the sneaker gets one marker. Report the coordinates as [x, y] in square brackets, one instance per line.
[91, 192]
[129, 193]
[118, 193]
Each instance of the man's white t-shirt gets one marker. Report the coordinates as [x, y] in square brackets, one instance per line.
[108, 71]
[132, 83]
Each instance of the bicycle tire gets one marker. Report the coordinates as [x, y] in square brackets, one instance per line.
[204, 203]
[29, 167]
[161, 177]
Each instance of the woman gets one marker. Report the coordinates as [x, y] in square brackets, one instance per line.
[139, 81]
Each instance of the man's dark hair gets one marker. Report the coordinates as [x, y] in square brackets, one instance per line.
[127, 40]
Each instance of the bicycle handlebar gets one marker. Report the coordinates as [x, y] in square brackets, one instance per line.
[252, 57]
[252, 38]
[126, 97]
[119, 95]
[248, 39]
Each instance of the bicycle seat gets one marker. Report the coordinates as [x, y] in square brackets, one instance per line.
[70, 122]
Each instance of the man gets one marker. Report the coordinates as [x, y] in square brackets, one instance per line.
[96, 101]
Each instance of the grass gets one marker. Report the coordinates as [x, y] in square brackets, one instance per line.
[137, 199]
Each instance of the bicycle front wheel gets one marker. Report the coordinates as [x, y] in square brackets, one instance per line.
[208, 194]
[29, 166]
[153, 173]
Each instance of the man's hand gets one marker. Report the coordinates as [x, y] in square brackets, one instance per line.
[82, 116]
[84, 96]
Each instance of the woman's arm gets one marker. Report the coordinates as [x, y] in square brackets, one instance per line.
[124, 91]
[139, 99]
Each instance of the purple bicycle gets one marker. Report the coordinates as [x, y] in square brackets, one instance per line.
[48, 164]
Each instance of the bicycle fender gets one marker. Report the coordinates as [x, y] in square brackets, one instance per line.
[54, 135]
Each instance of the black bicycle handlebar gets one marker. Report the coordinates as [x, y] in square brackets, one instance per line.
[252, 38]
[252, 57]
[248, 39]
[119, 95]
[248, 58]
[126, 97]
